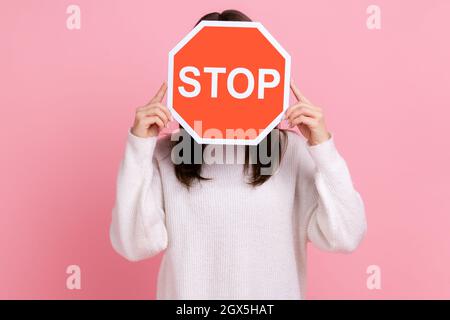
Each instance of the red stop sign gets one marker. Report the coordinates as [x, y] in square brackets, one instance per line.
[228, 82]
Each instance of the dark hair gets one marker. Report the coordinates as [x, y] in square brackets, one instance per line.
[187, 173]
[227, 15]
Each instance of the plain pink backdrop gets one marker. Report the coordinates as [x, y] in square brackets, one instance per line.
[68, 97]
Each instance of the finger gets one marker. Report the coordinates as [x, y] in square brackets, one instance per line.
[299, 105]
[156, 112]
[158, 108]
[160, 94]
[153, 120]
[292, 108]
[304, 111]
[302, 119]
[156, 105]
[297, 93]
[165, 110]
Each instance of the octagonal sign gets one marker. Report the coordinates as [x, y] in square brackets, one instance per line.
[228, 82]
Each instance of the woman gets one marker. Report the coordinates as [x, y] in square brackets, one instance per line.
[228, 231]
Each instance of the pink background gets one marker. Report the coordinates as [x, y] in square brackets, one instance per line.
[68, 97]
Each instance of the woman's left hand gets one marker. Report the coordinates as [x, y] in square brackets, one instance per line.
[308, 118]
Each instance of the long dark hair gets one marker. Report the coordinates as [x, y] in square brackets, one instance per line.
[188, 173]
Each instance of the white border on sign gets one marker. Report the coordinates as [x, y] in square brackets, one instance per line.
[234, 24]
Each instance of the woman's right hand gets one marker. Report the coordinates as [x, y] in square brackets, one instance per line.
[153, 117]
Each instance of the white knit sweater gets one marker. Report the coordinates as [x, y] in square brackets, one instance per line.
[225, 239]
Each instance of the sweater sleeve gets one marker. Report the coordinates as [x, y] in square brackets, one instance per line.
[337, 218]
[137, 229]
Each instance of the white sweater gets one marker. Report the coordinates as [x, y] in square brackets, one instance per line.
[225, 239]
